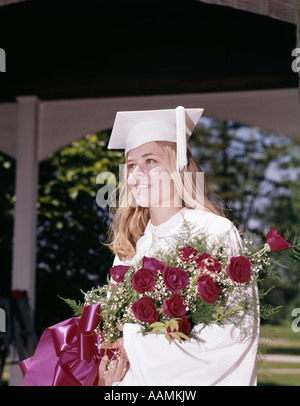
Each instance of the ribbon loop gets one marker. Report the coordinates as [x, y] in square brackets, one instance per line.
[67, 353]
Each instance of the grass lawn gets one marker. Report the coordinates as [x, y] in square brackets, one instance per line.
[278, 380]
[279, 340]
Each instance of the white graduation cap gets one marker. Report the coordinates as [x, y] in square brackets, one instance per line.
[134, 128]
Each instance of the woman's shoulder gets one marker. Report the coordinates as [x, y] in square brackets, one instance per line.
[207, 220]
[220, 231]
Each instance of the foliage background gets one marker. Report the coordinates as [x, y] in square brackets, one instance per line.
[254, 173]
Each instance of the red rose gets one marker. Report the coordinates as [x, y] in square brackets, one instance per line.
[174, 306]
[144, 310]
[275, 241]
[187, 253]
[239, 269]
[183, 327]
[208, 289]
[118, 272]
[206, 261]
[152, 264]
[143, 280]
[175, 278]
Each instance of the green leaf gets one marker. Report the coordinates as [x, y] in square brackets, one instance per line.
[157, 324]
[76, 307]
[168, 338]
[219, 309]
[159, 330]
[184, 336]
[173, 323]
[233, 309]
[176, 336]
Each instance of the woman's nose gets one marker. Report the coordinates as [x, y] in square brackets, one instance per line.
[137, 171]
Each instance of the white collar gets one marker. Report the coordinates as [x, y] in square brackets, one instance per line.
[164, 228]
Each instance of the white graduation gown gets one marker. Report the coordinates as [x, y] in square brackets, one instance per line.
[221, 357]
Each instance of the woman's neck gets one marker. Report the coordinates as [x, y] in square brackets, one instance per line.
[159, 215]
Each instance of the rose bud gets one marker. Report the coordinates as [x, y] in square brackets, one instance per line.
[118, 272]
[144, 310]
[174, 306]
[275, 241]
[208, 289]
[187, 253]
[206, 261]
[143, 280]
[239, 269]
[175, 278]
[183, 327]
[152, 264]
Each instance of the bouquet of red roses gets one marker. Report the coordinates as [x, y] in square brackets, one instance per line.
[171, 296]
[165, 294]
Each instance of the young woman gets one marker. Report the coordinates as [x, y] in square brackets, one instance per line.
[163, 186]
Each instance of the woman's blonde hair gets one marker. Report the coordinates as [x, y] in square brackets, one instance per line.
[130, 220]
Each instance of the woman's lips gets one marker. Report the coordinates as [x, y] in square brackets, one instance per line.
[142, 186]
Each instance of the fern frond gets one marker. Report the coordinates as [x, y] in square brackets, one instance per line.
[268, 310]
[76, 307]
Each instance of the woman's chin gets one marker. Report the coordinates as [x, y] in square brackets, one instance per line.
[142, 199]
[142, 202]
[147, 203]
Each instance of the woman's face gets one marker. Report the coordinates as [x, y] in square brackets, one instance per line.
[149, 178]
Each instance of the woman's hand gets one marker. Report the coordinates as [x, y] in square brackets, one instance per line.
[114, 371]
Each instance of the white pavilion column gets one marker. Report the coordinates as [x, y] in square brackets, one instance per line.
[24, 240]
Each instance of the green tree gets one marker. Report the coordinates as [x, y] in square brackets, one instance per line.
[250, 170]
[257, 174]
[71, 226]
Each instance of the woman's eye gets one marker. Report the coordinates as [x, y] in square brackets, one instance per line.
[148, 161]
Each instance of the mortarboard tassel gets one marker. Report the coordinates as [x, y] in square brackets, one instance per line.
[181, 138]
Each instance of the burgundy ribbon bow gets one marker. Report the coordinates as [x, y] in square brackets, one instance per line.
[67, 354]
